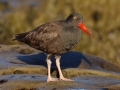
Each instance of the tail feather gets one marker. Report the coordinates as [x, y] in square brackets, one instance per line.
[15, 37]
[19, 37]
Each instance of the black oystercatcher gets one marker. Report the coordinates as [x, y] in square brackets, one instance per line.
[55, 38]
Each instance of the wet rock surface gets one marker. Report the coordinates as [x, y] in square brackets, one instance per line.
[24, 68]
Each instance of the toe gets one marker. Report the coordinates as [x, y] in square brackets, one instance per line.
[65, 79]
[52, 79]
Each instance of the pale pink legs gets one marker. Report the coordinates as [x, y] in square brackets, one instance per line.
[49, 69]
[59, 69]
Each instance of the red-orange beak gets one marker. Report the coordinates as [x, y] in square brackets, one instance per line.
[82, 26]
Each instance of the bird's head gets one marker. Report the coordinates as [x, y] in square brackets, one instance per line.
[77, 20]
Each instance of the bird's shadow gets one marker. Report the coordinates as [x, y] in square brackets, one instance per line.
[70, 59]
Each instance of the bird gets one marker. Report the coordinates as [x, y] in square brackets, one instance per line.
[54, 39]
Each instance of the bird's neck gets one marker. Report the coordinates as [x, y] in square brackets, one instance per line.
[68, 26]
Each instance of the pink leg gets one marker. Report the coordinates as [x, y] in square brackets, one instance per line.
[49, 70]
[59, 69]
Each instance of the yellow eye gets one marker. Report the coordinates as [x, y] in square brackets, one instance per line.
[75, 18]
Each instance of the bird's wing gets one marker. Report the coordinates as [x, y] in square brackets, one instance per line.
[43, 34]
[46, 31]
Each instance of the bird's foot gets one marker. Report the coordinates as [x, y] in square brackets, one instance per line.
[52, 79]
[66, 79]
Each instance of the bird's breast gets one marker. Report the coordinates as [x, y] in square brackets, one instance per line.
[70, 39]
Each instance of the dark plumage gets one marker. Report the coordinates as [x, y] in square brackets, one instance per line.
[55, 38]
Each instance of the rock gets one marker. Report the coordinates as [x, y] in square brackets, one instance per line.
[28, 71]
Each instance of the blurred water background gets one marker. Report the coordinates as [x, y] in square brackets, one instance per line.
[102, 17]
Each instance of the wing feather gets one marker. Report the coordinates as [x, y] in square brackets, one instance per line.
[44, 34]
